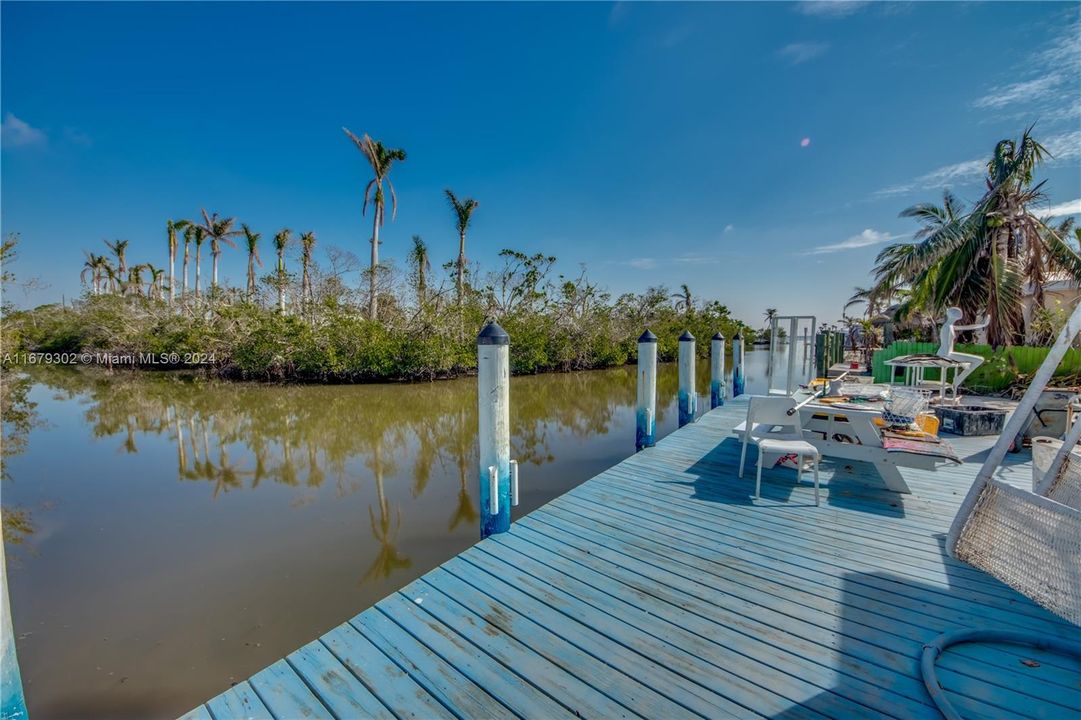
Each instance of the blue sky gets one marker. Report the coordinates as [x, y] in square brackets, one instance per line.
[759, 152]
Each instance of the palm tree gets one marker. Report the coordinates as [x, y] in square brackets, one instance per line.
[307, 244]
[463, 213]
[95, 268]
[171, 228]
[684, 300]
[120, 248]
[980, 260]
[251, 240]
[189, 236]
[422, 265]
[219, 230]
[200, 238]
[135, 279]
[157, 280]
[769, 315]
[281, 241]
[381, 158]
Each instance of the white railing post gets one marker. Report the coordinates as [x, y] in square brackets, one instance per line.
[737, 365]
[793, 325]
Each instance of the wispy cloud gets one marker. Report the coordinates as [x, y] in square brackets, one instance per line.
[801, 52]
[1070, 207]
[729, 227]
[864, 239]
[1066, 146]
[15, 132]
[962, 173]
[652, 263]
[1048, 78]
[642, 263]
[831, 8]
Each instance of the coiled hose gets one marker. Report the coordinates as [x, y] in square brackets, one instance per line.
[936, 647]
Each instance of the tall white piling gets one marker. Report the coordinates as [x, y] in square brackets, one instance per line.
[688, 396]
[493, 403]
[737, 365]
[12, 701]
[646, 412]
[716, 371]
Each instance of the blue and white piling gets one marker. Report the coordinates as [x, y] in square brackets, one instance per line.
[646, 410]
[12, 701]
[737, 365]
[493, 403]
[716, 371]
[688, 397]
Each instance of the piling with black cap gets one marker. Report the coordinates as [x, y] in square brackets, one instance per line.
[716, 371]
[646, 410]
[688, 397]
[493, 404]
[737, 365]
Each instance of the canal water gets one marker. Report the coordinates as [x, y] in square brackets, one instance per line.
[167, 536]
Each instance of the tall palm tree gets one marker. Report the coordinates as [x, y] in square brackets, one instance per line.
[189, 237]
[281, 241]
[422, 265]
[307, 244]
[135, 279]
[171, 228]
[684, 300]
[120, 249]
[381, 158]
[157, 280]
[95, 268]
[219, 230]
[981, 259]
[199, 237]
[769, 315]
[463, 214]
[251, 240]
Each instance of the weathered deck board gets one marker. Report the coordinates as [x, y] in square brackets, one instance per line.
[660, 589]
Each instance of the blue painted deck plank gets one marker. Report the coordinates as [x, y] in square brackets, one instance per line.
[199, 713]
[392, 685]
[768, 608]
[239, 702]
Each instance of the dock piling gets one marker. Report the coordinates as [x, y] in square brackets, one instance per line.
[716, 371]
[646, 410]
[737, 365]
[493, 401]
[12, 701]
[688, 396]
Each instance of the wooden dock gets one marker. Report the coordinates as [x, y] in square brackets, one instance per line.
[659, 589]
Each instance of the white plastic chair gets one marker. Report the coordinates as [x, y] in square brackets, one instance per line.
[773, 423]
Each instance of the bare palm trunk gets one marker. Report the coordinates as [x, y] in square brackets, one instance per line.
[281, 284]
[461, 267]
[373, 300]
[184, 289]
[172, 275]
[251, 276]
[198, 262]
[305, 284]
[214, 274]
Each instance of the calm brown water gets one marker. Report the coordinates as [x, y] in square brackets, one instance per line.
[168, 536]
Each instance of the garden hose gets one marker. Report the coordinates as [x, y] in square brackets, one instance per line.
[936, 647]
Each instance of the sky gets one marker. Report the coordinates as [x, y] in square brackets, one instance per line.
[758, 152]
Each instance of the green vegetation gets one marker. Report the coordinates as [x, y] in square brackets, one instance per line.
[324, 335]
[984, 260]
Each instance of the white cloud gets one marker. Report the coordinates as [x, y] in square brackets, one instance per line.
[865, 238]
[1066, 146]
[642, 263]
[831, 8]
[1071, 207]
[729, 227]
[19, 133]
[801, 52]
[1048, 78]
[962, 173]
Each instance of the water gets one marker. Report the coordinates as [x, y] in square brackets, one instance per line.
[168, 536]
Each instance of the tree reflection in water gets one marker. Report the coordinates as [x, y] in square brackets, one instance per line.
[236, 435]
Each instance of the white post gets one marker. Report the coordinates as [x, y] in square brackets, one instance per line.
[12, 701]
[493, 403]
[688, 397]
[737, 365]
[646, 411]
[793, 326]
[716, 371]
[772, 350]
